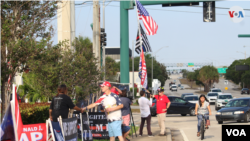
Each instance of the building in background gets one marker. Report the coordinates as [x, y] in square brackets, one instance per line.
[114, 53]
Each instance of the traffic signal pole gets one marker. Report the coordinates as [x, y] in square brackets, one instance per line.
[124, 43]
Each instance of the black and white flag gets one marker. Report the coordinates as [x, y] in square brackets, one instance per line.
[145, 43]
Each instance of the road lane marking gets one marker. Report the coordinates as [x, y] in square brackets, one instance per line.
[184, 135]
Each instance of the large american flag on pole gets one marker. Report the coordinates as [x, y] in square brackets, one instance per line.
[145, 43]
[149, 23]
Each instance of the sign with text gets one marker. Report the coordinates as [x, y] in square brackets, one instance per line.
[235, 132]
[34, 132]
[241, 67]
[99, 125]
[69, 127]
[221, 70]
[83, 127]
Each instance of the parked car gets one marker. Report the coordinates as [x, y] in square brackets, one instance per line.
[191, 98]
[217, 90]
[235, 110]
[178, 106]
[245, 91]
[212, 96]
[179, 85]
[174, 88]
[182, 96]
[222, 100]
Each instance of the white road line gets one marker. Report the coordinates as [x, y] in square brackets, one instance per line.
[184, 135]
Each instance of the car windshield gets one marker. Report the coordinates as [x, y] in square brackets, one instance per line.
[225, 97]
[191, 98]
[212, 94]
[217, 90]
[173, 86]
[238, 103]
[245, 89]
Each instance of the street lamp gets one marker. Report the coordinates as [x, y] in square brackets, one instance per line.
[152, 61]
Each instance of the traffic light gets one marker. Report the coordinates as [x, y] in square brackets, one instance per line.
[103, 37]
[209, 11]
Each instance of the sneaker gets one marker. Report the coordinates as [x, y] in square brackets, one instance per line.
[150, 135]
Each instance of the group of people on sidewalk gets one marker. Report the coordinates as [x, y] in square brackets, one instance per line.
[117, 109]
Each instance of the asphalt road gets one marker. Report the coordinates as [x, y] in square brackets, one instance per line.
[187, 125]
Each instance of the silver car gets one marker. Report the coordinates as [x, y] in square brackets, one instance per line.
[222, 100]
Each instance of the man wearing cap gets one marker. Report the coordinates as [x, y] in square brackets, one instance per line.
[162, 104]
[112, 105]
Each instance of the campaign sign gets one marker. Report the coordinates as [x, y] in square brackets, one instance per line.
[34, 132]
[70, 129]
[235, 132]
[7, 130]
[99, 125]
[87, 133]
[57, 131]
[83, 129]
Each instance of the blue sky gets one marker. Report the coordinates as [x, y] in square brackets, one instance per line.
[188, 37]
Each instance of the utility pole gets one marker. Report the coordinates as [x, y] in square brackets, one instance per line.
[96, 31]
[72, 23]
[133, 43]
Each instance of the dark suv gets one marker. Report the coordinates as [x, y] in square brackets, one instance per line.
[245, 91]
[178, 106]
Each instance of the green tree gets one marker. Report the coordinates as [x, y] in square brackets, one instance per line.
[184, 73]
[111, 68]
[59, 65]
[191, 78]
[208, 75]
[22, 23]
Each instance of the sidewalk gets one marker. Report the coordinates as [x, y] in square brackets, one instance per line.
[155, 131]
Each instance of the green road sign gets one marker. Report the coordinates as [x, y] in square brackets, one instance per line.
[244, 35]
[221, 70]
[190, 64]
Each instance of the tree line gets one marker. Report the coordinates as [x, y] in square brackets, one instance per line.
[239, 77]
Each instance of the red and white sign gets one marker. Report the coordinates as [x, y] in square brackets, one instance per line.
[30, 132]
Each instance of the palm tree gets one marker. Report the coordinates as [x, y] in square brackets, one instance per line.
[208, 75]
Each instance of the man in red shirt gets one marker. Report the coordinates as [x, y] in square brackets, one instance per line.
[162, 104]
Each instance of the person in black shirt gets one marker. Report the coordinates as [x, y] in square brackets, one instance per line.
[61, 104]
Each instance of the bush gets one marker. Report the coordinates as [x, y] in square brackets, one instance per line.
[34, 113]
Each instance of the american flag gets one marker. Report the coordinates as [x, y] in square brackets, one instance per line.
[139, 15]
[149, 23]
[145, 43]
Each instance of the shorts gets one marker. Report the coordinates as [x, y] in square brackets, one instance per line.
[126, 119]
[125, 129]
[115, 128]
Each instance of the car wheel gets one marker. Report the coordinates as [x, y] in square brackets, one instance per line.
[246, 118]
[183, 114]
[192, 112]
[239, 121]
[216, 108]
[220, 122]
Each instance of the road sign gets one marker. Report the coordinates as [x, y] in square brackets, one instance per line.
[225, 82]
[190, 64]
[226, 88]
[241, 67]
[221, 70]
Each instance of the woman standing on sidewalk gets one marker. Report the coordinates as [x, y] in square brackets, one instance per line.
[202, 107]
[145, 105]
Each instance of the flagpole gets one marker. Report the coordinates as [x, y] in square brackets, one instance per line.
[138, 25]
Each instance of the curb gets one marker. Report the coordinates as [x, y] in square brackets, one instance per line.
[168, 134]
